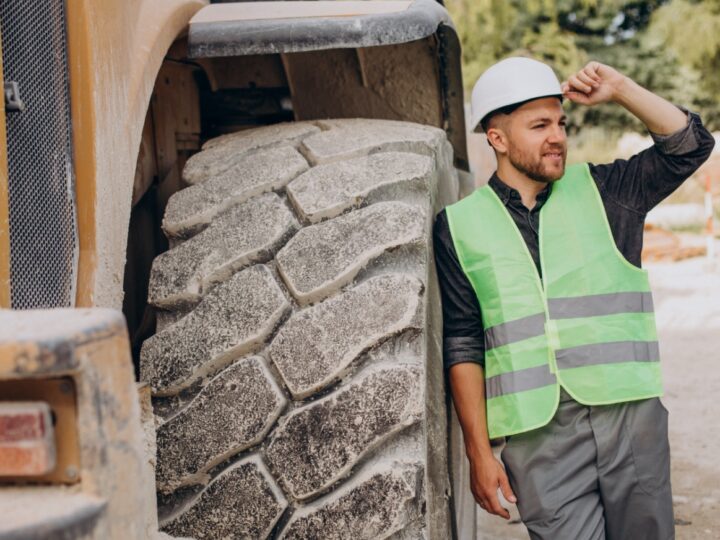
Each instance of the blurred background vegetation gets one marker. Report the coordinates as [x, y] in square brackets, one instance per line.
[669, 46]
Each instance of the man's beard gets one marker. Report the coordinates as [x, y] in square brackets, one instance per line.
[534, 169]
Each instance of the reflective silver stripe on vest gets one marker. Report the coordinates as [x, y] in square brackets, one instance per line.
[518, 381]
[608, 353]
[600, 304]
[517, 330]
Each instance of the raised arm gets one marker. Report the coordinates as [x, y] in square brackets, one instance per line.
[598, 83]
[682, 143]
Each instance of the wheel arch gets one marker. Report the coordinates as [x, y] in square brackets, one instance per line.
[117, 49]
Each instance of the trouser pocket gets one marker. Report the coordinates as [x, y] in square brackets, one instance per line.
[647, 428]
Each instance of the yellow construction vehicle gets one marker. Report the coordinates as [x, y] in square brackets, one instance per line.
[252, 186]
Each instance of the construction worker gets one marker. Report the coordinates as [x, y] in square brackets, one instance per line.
[549, 331]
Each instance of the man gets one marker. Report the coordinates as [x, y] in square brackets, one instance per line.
[549, 332]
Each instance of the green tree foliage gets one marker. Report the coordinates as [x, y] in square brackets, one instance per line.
[567, 34]
[691, 30]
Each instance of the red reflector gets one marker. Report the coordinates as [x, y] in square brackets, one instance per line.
[27, 442]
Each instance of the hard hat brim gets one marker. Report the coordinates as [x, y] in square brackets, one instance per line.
[477, 128]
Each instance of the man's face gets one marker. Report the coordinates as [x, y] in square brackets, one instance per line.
[535, 139]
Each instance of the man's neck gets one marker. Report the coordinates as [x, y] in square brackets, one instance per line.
[527, 187]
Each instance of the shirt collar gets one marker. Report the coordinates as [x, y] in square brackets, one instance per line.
[511, 196]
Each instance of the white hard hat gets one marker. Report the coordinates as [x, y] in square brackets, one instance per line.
[511, 81]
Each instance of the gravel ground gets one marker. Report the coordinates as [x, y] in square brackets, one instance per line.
[687, 304]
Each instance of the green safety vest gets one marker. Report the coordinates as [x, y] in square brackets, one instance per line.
[588, 325]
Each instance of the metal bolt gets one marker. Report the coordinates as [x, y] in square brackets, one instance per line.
[71, 472]
[23, 360]
[66, 387]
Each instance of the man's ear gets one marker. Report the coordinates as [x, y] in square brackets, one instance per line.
[497, 138]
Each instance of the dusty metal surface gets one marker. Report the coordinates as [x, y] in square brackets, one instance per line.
[375, 61]
[212, 36]
[247, 71]
[117, 48]
[400, 83]
[452, 94]
[110, 463]
[48, 513]
[242, 11]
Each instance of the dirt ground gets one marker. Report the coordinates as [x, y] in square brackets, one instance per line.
[687, 304]
[687, 300]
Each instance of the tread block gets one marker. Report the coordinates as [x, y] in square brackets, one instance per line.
[242, 502]
[249, 232]
[318, 444]
[322, 258]
[192, 209]
[358, 137]
[373, 507]
[235, 318]
[263, 136]
[232, 413]
[317, 345]
[222, 153]
[328, 190]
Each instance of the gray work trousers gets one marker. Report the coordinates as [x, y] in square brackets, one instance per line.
[595, 472]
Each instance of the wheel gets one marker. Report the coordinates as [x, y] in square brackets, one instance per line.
[296, 370]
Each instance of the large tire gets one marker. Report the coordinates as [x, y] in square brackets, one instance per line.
[296, 369]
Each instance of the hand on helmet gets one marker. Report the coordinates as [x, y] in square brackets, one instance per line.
[595, 83]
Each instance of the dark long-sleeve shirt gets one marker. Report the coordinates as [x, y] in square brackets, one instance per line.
[629, 190]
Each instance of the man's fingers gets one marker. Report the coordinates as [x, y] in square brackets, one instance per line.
[577, 84]
[594, 67]
[583, 82]
[485, 483]
[491, 504]
[483, 503]
[594, 76]
[506, 489]
[577, 97]
[496, 508]
[587, 79]
[592, 71]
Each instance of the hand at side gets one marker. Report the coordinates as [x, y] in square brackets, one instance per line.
[467, 383]
[487, 475]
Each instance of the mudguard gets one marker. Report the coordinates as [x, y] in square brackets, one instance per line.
[252, 28]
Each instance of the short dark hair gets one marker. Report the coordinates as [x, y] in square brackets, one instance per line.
[508, 109]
